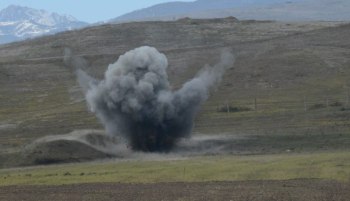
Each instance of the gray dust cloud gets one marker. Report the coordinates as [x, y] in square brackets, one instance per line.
[135, 101]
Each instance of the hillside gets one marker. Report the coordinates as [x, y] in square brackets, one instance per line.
[178, 7]
[315, 10]
[291, 79]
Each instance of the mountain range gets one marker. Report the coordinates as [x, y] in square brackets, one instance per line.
[297, 10]
[18, 23]
[176, 8]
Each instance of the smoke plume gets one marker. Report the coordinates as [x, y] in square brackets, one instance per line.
[135, 100]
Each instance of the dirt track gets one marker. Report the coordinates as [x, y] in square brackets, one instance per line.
[309, 190]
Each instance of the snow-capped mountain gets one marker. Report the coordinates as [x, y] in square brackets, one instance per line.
[18, 23]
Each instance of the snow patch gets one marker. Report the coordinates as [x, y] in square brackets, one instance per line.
[7, 23]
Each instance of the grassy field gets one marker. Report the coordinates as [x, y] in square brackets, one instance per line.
[331, 166]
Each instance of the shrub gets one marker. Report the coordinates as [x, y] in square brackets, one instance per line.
[317, 106]
[336, 104]
[234, 109]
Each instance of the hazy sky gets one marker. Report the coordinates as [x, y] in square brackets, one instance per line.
[87, 10]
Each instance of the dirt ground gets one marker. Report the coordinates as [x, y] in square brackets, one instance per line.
[301, 189]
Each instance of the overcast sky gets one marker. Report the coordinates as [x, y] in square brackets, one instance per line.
[87, 10]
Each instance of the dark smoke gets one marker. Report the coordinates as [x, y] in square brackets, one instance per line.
[135, 100]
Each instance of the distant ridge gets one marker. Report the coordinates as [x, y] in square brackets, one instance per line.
[315, 10]
[176, 8]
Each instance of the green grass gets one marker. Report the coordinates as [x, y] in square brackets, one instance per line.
[333, 166]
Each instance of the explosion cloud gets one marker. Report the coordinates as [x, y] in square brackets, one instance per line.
[135, 100]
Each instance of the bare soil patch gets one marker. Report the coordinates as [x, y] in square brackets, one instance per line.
[248, 190]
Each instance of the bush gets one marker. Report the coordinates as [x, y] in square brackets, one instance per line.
[234, 109]
[67, 174]
[317, 106]
[344, 109]
[336, 104]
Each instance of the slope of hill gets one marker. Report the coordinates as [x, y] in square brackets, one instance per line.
[288, 89]
[175, 8]
[17, 23]
[316, 10]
